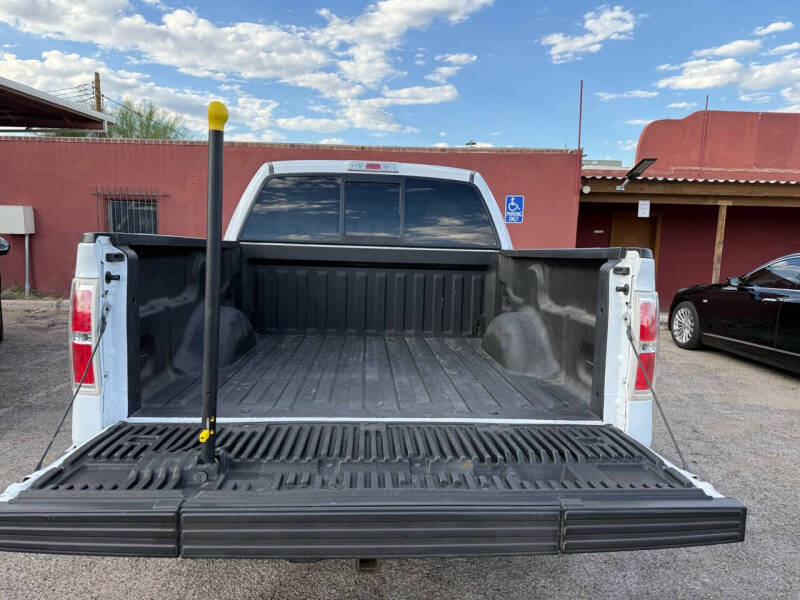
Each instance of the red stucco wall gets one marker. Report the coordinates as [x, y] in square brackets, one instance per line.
[724, 145]
[58, 177]
[755, 235]
[686, 255]
[686, 250]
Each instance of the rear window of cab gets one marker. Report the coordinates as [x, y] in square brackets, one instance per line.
[398, 211]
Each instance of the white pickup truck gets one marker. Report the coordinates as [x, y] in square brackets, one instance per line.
[395, 380]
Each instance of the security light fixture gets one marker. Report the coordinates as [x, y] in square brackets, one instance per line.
[636, 172]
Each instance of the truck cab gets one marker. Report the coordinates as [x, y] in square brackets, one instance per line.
[395, 380]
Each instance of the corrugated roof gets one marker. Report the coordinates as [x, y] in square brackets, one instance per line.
[620, 177]
[24, 106]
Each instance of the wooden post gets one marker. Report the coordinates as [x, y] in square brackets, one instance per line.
[722, 214]
[98, 99]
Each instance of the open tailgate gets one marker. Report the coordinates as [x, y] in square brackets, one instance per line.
[334, 490]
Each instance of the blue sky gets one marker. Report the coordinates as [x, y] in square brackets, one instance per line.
[417, 72]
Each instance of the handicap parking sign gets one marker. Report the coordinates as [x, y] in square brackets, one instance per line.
[515, 209]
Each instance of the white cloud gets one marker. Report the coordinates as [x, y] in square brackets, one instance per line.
[495, 133]
[301, 123]
[682, 104]
[775, 27]
[605, 23]
[607, 96]
[442, 74]
[368, 38]
[638, 121]
[704, 73]
[320, 108]
[344, 59]
[755, 98]
[455, 64]
[368, 114]
[668, 67]
[329, 85]
[332, 141]
[791, 94]
[57, 70]
[781, 72]
[371, 113]
[182, 39]
[784, 49]
[157, 4]
[735, 48]
[440, 145]
[462, 58]
[442, 134]
[626, 144]
[417, 94]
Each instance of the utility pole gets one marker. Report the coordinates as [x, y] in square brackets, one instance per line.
[98, 102]
[98, 97]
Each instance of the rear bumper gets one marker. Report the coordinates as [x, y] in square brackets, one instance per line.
[163, 529]
[121, 527]
[455, 531]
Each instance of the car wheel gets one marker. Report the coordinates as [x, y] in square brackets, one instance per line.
[685, 326]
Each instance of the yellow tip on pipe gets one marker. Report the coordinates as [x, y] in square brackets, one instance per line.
[217, 115]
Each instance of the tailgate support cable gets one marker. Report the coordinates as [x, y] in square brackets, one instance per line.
[652, 391]
[100, 330]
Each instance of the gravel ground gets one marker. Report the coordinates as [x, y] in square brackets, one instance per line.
[738, 424]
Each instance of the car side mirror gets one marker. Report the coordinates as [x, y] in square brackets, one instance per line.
[734, 281]
[5, 246]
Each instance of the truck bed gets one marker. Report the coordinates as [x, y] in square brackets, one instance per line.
[371, 376]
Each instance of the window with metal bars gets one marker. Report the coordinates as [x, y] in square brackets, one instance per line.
[126, 211]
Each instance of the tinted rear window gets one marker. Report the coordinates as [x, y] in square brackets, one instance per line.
[295, 209]
[451, 214]
[372, 209]
[413, 212]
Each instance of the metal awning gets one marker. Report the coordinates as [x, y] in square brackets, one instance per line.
[23, 106]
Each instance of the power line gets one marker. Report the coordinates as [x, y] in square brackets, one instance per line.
[74, 87]
[76, 90]
[79, 95]
[83, 93]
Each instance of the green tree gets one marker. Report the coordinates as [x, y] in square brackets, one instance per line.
[134, 120]
[146, 121]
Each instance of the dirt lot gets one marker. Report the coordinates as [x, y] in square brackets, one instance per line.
[738, 424]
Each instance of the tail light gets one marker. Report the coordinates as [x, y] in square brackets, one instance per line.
[648, 339]
[82, 333]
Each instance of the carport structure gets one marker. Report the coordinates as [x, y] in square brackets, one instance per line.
[24, 107]
[681, 196]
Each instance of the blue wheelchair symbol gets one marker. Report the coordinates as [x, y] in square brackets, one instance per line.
[515, 209]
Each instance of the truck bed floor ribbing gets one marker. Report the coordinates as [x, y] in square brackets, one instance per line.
[370, 376]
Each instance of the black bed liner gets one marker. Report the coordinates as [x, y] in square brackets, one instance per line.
[371, 376]
[311, 490]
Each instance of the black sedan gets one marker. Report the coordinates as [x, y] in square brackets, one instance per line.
[756, 315]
